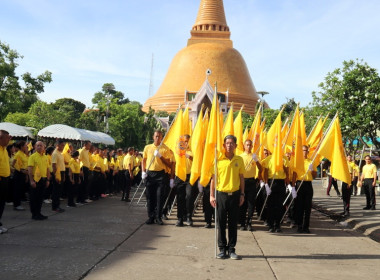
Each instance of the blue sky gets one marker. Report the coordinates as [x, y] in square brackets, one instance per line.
[288, 45]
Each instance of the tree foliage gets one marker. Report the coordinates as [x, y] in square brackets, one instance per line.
[16, 97]
[354, 92]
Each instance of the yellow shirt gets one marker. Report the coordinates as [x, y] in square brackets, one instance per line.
[74, 166]
[21, 161]
[350, 167]
[356, 170]
[57, 158]
[93, 159]
[129, 160]
[84, 157]
[66, 157]
[99, 164]
[138, 160]
[369, 171]
[5, 170]
[121, 161]
[157, 164]
[250, 171]
[309, 176]
[189, 162]
[268, 162]
[40, 165]
[229, 173]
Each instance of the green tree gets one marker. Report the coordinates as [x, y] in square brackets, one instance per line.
[13, 96]
[71, 109]
[19, 118]
[353, 91]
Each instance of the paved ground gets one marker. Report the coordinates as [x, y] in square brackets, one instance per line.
[108, 240]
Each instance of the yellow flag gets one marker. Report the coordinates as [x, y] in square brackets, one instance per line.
[275, 143]
[176, 142]
[245, 134]
[186, 122]
[66, 149]
[332, 149]
[197, 144]
[238, 132]
[228, 128]
[256, 134]
[255, 123]
[297, 159]
[213, 139]
[263, 140]
[30, 146]
[303, 130]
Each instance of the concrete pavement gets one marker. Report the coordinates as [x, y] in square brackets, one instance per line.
[108, 240]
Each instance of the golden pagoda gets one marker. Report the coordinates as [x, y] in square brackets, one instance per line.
[209, 47]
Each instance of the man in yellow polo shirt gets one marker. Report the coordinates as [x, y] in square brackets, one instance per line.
[128, 165]
[5, 172]
[305, 193]
[58, 163]
[39, 175]
[251, 163]
[347, 189]
[84, 157]
[229, 196]
[368, 180]
[156, 157]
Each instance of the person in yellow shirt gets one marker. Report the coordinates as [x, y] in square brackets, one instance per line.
[83, 188]
[137, 170]
[128, 165]
[120, 171]
[39, 175]
[347, 189]
[155, 160]
[304, 195]
[229, 197]
[368, 180]
[74, 177]
[261, 195]
[5, 172]
[58, 164]
[251, 163]
[47, 194]
[185, 203]
[20, 175]
[355, 178]
[276, 194]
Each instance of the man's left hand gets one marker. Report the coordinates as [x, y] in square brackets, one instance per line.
[241, 200]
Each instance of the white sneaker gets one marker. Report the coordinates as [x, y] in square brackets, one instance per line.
[47, 201]
[19, 208]
[88, 200]
[3, 229]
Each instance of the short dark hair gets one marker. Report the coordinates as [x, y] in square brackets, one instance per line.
[75, 154]
[49, 150]
[60, 141]
[131, 149]
[248, 140]
[230, 137]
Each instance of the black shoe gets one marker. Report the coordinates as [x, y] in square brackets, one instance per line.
[37, 218]
[59, 210]
[366, 208]
[271, 229]
[127, 200]
[243, 228]
[233, 256]
[43, 217]
[278, 229]
[123, 199]
[179, 223]
[164, 217]
[306, 230]
[149, 221]
[159, 221]
[250, 228]
[299, 230]
[222, 254]
[208, 225]
[373, 208]
[189, 222]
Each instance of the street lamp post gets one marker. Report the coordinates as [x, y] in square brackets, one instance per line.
[262, 93]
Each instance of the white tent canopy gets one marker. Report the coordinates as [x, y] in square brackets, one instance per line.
[67, 132]
[16, 130]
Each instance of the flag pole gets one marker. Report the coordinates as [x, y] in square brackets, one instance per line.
[216, 178]
[315, 125]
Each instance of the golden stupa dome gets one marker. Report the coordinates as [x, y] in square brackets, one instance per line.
[208, 48]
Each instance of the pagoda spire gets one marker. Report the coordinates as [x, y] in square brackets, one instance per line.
[210, 23]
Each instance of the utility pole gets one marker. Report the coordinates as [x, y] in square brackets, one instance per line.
[151, 86]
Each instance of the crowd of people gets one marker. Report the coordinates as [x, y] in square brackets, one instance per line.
[243, 184]
[40, 174]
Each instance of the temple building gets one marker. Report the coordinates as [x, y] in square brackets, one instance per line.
[208, 60]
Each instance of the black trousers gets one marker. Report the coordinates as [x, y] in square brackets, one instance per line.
[369, 191]
[155, 193]
[332, 182]
[84, 191]
[36, 196]
[249, 201]
[261, 196]
[72, 190]
[207, 208]
[57, 191]
[275, 201]
[3, 194]
[354, 186]
[181, 187]
[19, 181]
[303, 204]
[346, 196]
[227, 209]
[127, 185]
